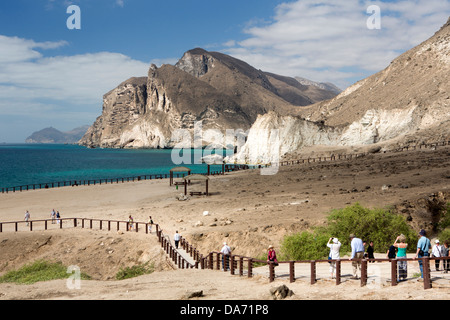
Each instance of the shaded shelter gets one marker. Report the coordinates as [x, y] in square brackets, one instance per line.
[193, 177]
[178, 170]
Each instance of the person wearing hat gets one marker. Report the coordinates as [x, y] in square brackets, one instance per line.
[226, 251]
[271, 256]
[357, 253]
[436, 252]
[423, 245]
[334, 254]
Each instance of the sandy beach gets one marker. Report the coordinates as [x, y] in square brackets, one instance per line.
[246, 209]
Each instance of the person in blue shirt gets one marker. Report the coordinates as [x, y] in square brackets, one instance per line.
[423, 247]
[357, 253]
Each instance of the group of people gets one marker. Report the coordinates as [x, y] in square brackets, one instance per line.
[400, 245]
[358, 253]
[54, 215]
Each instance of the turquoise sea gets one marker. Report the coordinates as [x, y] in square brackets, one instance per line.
[28, 164]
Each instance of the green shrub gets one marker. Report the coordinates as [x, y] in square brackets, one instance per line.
[305, 246]
[378, 225]
[39, 270]
[134, 271]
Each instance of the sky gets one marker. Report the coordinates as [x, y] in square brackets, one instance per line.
[56, 64]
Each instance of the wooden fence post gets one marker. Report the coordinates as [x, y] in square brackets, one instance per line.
[363, 272]
[271, 272]
[426, 273]
[291, 271]
[394, 272]
[250, 267]
[313, 272]
[338, 272]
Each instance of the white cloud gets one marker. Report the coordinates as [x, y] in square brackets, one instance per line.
[328, 40]
[35, 86]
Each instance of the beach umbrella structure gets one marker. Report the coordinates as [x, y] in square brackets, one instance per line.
[198, 177]
[178, 170]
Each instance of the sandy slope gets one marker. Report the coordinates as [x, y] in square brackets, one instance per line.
[247, 209]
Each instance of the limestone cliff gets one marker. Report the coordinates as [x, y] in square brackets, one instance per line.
[212, 88]
[406, 103]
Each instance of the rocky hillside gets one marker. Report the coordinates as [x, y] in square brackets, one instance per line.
[220, 91]
[52, 135]
[406, 103]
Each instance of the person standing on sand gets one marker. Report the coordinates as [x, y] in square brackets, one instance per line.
[57, 217]
[334, 254]
[402, 264]
[27, 217]
[272, 256]
[423, 246]
[357, 253]
[226, 251]
[53, 216]
[176, 238]
[150, 223]
[436, 252]
[130, 223]
[370, 251]
[445, 253]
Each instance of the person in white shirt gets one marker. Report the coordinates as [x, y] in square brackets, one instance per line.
[226, 251]
[334, 254]
[176, 238]
[27, 217]
[436, 252]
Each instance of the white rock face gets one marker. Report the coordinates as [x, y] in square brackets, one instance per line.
[272, 136]
[378, 125]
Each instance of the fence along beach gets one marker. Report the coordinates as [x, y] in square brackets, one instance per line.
[114, 202]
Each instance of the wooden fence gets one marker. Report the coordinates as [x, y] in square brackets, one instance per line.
[235, 264]
[227, 168]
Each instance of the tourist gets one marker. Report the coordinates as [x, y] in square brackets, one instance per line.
[390, 254]
[334, 254]
[357, 253]
[176, 238]
[423, 246]
[370, 251]
[53, 216]
[27, 217]
[226, 251]
[272, 256]
[436, 252]
[130, 223]
[445, 253]
[150, 223]
[401, 245]
[58, 217]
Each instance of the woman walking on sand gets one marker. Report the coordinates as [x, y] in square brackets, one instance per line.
[401, 245]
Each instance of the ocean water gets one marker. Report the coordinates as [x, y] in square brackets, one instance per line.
[28, 164]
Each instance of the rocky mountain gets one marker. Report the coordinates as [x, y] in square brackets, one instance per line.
[215, 89]
[52, 135]
[406, 103]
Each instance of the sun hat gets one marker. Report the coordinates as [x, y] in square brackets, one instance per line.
[422, 232]
[437, 241]
[335, 240]
[352, 235]
[270, 247]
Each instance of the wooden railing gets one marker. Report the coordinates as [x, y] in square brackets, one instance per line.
[235, 264]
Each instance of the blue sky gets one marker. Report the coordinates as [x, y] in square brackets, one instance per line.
[53, 76]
